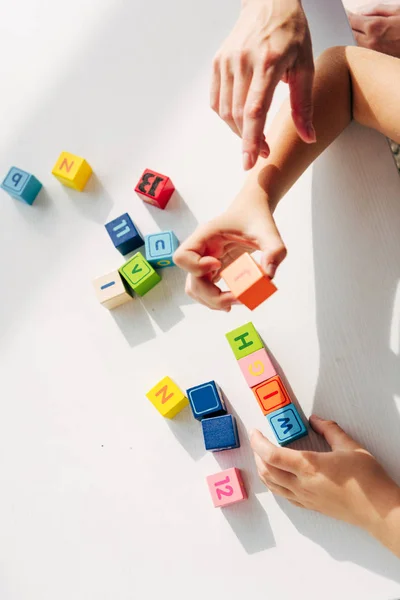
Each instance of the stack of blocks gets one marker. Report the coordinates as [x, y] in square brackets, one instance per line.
[219, 430]
[266, 384]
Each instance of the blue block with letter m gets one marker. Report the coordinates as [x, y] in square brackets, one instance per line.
[160, 248]
[21, 185]
[287, 425]
[125, 236]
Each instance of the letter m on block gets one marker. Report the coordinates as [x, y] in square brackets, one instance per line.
[164, 391]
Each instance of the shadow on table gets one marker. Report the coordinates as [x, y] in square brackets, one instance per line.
[127, 317]
[94, 203]
[188, 433]
[357, 264]
[178, 217]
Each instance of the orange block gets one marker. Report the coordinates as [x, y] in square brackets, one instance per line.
[247, 282]
[271, 395]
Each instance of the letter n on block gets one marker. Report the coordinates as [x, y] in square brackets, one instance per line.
[168, 399]
[72, 171]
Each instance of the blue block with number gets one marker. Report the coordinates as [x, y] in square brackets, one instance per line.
[287, 424]
[220, 433]
[125, 236]
[160, 248]
[21, 185]
[206, 400]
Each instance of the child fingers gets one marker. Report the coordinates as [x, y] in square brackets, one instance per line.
[193, 262]
[208, 294]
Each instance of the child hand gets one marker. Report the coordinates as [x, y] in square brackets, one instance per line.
[246, 226]
[347, 483]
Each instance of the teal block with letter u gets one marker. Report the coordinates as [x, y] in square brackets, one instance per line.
[160, 248]
[287, 424]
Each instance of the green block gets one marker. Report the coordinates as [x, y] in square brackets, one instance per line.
[244, 340]
[139, 274]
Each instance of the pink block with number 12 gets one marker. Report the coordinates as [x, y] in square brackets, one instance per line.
[226, 487]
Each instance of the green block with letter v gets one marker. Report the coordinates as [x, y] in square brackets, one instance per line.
[244, 340]
[139, 275]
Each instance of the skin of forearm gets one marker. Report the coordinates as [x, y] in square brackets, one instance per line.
[386, 528]
[349, 83]
[290, 156]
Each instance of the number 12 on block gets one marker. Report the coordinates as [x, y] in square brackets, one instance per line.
[226, 487]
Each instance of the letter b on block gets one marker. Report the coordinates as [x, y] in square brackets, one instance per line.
[167, 398]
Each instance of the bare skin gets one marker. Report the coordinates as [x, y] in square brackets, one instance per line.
[350, 83]
[270, 41]
[378, 28]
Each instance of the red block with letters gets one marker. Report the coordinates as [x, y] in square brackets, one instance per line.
[154, 188]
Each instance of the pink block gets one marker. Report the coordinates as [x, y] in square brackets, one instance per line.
[226, 487]
[257, 367]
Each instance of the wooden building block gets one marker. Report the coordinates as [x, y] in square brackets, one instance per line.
[287, 425]
[247, 282]
[160, 248]
[111, 291]
[226, 487]
[244, 340]
[124, 235]
[271, 395]
[257, 367]
[206, 400]
[21, 185]
[139, 275]
[220, 433]
[73, 171]
[154, 188]
[168, 399]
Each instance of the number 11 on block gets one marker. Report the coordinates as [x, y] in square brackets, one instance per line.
[226, 487]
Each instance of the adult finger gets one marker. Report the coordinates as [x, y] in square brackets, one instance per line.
[381, 10]
[241, 84]
[281, 458]
[256, 108]
[361, 39]
[281, 491]
[225, 97]
[357, 22]
[301, 99]
[334, 435]
[209, 294]
[215, 85]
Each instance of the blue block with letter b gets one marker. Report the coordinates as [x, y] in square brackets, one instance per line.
[125, 236]
[21, 185]
[286, 424]
[160, 248]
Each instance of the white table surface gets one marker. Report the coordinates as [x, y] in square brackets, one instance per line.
[100, 497]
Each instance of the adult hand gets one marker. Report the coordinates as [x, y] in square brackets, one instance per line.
[270, 41]
[378, 28]
[247, 225]
[347, 483]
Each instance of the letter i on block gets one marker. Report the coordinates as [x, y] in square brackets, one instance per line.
[21, 185]
[244, 340]
[139, 275]
[111, 291]
[287, 425]
[124, 235]
[73, 171]
[226, 487]
[160, 248]
[247, 281]
[168, 399]
[155, 189]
